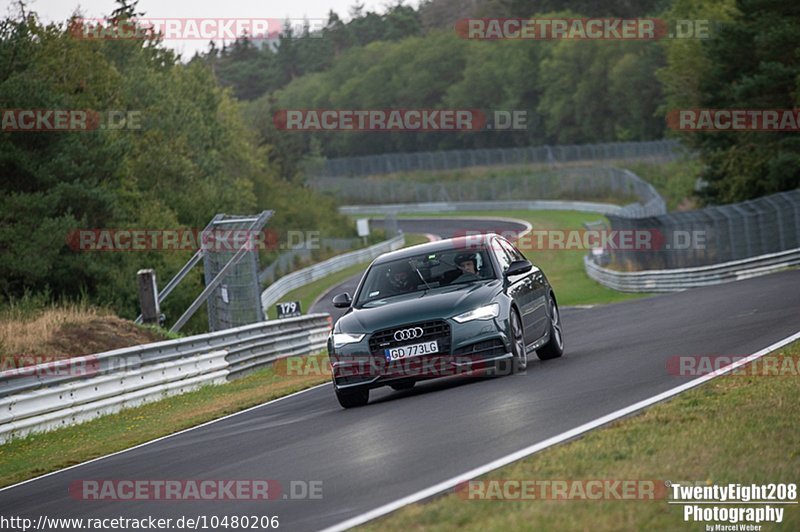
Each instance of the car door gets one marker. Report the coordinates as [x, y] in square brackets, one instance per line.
[519, 287]
[536, 305]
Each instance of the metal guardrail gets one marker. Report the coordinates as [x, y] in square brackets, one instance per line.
[78, 401]
[533, 205]
[678, 279]
[64, 392]
[294, 280]
[286, 260]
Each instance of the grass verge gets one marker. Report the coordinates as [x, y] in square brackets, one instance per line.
[733, 429]
[42, 453]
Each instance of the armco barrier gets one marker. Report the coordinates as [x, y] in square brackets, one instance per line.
[289, 282]
[677, 279]
[78, 401]
[51, 395]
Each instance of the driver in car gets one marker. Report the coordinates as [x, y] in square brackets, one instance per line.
[400, 278]
[468, 264]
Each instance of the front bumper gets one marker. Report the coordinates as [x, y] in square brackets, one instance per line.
[471, 347]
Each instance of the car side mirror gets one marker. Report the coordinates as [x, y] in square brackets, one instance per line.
[342, 300]
[518, 267]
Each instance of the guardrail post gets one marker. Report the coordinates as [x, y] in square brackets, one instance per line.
[148, 296]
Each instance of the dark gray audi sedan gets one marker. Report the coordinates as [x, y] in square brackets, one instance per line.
[466, 304]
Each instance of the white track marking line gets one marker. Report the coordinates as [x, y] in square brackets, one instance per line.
[523, 453]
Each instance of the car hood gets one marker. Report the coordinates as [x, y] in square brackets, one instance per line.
[438, 303]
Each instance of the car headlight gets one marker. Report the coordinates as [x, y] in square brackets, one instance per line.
[481, 313]
[340, 339]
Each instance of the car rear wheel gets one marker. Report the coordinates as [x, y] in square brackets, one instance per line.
[353, 397]
[554, 348]
[520, 362]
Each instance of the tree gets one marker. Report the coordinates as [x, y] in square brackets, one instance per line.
[750, 62]
[192, 157]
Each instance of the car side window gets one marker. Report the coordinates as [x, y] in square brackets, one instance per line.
[513, 252]
[502, 254]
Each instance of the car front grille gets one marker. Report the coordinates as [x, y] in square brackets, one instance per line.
[431, 330]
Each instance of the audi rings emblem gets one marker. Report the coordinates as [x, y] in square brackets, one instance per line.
[408, 334]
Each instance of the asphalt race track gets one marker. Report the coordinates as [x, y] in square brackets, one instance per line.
[402, 442]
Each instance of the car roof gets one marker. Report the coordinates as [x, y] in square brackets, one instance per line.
[467, 243]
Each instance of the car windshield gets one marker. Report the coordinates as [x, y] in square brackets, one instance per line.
[424, 272]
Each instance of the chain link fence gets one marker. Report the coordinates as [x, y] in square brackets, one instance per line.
[710, 236]
[456, 159]
[237, 299]
[573, 183]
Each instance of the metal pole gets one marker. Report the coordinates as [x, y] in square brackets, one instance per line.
[148, 296]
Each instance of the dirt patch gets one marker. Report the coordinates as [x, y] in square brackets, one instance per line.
[98, 335]
[63, 333]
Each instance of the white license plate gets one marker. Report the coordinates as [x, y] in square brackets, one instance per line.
[408, 351]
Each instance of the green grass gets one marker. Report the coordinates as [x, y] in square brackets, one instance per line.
[674, 180]
[307, 294]
[495, 171]
[38, 454]
[736, 429]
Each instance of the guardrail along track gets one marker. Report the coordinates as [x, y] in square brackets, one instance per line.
[69, 391]
[684, 278]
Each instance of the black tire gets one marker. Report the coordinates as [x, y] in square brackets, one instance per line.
[403, 386]
[520, 361]
[554, 348]
[353, 397]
